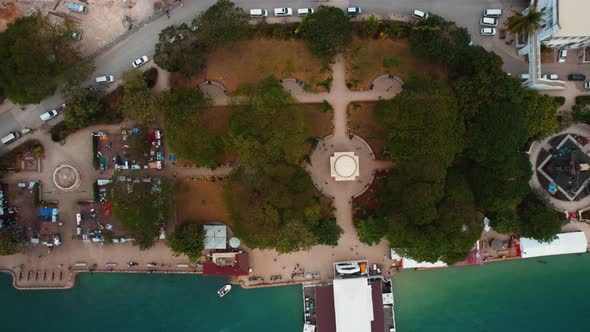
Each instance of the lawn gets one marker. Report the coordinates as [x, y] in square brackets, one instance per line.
[252, 60]
[362, 123]
[201, 202]
[317, 122]
[368, 59]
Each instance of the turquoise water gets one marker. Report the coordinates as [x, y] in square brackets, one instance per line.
[149, 302]
[515, 296]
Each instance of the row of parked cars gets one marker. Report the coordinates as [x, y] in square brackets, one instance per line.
[352, 11]
[489, 21]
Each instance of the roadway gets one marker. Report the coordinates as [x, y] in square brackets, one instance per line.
[118, 59]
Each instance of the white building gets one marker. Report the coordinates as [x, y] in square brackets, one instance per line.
[566, 243]
[353, 305]
[408, 263]
[566, 23]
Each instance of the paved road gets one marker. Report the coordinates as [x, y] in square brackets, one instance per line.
[117, 60]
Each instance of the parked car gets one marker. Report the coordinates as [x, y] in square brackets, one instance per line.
[76, 7]
[524, 77]
[48, 115]
[105, 79]
[489, 21]
[587, 85]
[11, 137]
[562, 55]
[488, 31]
[354, 11]
[255, 13]
[304, 11]
[550, 76]
[419, 14]
[140, 62]
[576, 77]
[283, 11]
[74, 35]
[492, 12]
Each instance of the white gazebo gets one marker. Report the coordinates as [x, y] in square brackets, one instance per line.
[344, 166]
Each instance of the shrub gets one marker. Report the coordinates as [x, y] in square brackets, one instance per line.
[391, 62]
[60, 131]
[396, 29]
[151, 77]
[581, 113]
[559, 99]
[327, 83]
[95, 161]
[583, 100]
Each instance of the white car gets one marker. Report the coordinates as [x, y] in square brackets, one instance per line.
[49, 115]
[489, 21]
[140, 62]
[488, 31]
[562, 55]
[353, 11]
[304, 11]
[419, 14]
[550, 76]
[587, 85]
[283, 11]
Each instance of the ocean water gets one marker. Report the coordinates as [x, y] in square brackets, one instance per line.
[515, 296]
[149, 302]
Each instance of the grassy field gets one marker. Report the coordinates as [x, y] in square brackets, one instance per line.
[252, 60]
[367, 59]
[362, 123]
[201, 202]
[317, 122]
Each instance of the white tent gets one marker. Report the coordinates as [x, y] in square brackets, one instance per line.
[408, 263]
[566, 243]
[215, 236]
[353, 305]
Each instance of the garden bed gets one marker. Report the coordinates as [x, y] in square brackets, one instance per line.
[201, 202]
[363, 123]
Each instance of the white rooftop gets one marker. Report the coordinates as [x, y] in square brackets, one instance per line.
[344, 166]
[353, 305]
[408, 263]
[215, 236]
[566, 243]
[573, 18]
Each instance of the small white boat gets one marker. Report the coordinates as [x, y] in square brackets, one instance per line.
[224, 290]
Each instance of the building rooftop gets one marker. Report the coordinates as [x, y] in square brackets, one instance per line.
[566, 243]
[353, 305]
[573, 18]
[215, 236]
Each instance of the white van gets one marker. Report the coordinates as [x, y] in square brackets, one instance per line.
[11, 137]
[258, 13]
[105, 79]
[283, 11]
[489, 21]
[304, 11]
[419, 14]
[492, 12]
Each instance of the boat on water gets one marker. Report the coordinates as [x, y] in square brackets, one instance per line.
[224, 290]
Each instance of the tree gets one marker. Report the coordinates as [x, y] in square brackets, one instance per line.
[34, 53]
[438, 39]
[266, 127]
[424, 124]
[370, 27]
[540, 114]
[187, 132]
[496, 133]
[142, 208]
[179, 49]
[501, 186]
[187, 239]
[526, 24]
[370, 230]
[581, 113]
[222, 24]
[539, 221]
[327, 31]
[328, 232]
[505, 222]
[9, 244]
[138, 103]
[83, 107]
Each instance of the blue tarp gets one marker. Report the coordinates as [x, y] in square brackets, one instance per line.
[48, 212]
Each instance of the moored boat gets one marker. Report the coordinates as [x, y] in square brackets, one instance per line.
[224, 290]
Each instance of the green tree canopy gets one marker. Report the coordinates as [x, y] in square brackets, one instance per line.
[425, 124]
[327, 31]
[527, 23]
[496, 133]
[222, 24]
[328, 232]
[540, 114]
[438, 39]
[187, 239]
[179, 49]
[265, 127]
[188, 135]
[371, 229]
[142, 208]
[539, 221]
[138, 102]
[83, 107]
[505, 222]
[34, 53]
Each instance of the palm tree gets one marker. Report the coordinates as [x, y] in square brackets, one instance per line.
[526, 24]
